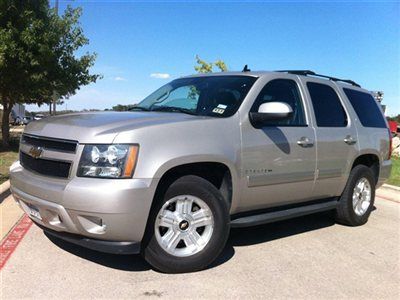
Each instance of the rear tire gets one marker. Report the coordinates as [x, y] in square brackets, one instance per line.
[357, 201]
[188, 227]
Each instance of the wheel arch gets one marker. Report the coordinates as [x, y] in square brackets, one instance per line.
[220, 174]
[171, 171]
[371, 160]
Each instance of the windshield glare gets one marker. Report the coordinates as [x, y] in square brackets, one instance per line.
[217, 96]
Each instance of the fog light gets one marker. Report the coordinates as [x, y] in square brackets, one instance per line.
[92, 224]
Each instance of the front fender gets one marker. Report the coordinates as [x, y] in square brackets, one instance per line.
[190, 159]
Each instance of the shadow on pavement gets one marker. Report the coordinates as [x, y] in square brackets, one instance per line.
[238, 237]
[4, 195]
[269, 232]
[115, 261]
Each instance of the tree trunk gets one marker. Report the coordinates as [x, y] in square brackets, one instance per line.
[5, 125]
[54, 107]
[50, 104]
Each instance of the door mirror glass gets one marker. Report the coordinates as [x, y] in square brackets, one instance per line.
[271, 111]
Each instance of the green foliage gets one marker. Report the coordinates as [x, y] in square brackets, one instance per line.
[221, 65]
[37, 54]
[395, 174]
[121, 107]
[8, 155]
[207, 67]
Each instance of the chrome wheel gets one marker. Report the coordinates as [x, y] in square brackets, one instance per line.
[184, 225]
[361, 196]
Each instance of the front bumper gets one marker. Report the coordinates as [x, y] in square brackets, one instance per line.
[91, 209]
[94, 244]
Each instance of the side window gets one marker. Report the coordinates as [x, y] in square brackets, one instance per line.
[287, 91]
[328, 110]
[366, 108]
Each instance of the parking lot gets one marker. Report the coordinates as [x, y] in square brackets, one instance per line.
[309, 257]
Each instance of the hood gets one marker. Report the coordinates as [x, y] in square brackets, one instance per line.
[100, 127]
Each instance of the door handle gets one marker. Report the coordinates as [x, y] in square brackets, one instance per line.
[349, 140]
[305, 142]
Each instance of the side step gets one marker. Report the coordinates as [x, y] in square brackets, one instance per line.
[284, 214]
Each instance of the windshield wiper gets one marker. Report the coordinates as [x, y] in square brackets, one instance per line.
[174, 109]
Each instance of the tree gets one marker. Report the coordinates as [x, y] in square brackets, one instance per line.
[37, 55]
[122, 107]
[207, 67]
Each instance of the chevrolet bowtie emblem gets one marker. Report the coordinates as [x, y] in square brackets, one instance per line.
[35, 152]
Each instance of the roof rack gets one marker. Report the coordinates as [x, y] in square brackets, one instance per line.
[312, 73]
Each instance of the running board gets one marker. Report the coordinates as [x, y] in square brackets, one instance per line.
[274, 216]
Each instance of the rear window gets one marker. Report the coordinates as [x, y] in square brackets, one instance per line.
[366, 107]
[328, 109]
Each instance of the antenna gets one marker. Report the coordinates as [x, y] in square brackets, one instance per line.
[246, 69]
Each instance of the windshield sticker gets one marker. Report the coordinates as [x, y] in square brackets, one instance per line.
[222, 106]
[218, 110]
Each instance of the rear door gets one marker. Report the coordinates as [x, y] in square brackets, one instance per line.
[336, 144]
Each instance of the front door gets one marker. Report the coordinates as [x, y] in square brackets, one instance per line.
[279, 159]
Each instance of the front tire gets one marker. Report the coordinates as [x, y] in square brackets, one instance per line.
[188, 227]
[357, 201]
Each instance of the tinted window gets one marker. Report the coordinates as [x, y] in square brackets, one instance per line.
[328, 110]
[366, 108]
[282, 90]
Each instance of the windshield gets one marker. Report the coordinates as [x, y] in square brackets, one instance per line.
[217, 96]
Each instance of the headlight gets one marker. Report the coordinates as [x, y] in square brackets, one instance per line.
[108, 161]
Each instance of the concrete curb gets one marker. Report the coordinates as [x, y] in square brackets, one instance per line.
[391, 187]
[389, 192]
[4, 187]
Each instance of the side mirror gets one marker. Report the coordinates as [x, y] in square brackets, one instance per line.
[269, 112]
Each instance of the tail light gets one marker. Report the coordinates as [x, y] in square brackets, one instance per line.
[390, 144]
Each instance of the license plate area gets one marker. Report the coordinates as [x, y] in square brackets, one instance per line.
[33, 211]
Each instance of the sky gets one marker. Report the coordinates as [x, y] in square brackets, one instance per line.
[142, 45]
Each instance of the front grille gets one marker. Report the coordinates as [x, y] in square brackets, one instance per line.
[44, 166]
[50, 143]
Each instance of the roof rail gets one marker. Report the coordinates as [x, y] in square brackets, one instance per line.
[312, 73]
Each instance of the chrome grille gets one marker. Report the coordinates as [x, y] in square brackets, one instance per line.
[45, 166]
[50, 143]
[47, 156]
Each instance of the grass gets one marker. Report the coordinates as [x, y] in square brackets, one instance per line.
[394, 178]
[8, 156]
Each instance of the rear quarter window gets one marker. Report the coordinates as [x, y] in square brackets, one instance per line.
[366, 108]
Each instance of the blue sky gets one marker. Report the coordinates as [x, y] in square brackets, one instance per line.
[133, 40]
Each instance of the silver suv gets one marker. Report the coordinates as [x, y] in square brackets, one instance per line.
[199, 156]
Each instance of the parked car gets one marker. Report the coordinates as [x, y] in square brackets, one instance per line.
[27, 120]
[38, 117]
[394, 127]
[201, 155]
[16, 120]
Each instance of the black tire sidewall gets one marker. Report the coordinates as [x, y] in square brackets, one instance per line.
[356, 174]
[198, 187]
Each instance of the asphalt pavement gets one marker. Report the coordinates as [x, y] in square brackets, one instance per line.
[309, 257]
